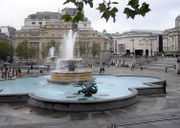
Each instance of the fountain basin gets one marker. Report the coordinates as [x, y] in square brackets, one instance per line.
[70, 71]
[84, 106]
[114, 92]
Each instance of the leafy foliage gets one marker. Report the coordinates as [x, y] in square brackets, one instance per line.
[95, 50]
[66, 17]
[24, 51]
[136, 9]
[107, 9]
[5, 49]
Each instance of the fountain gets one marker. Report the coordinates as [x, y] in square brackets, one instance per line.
[114, 91]
[50, 57]
[68, 68]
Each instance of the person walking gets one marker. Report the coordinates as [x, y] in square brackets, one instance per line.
[103, 70]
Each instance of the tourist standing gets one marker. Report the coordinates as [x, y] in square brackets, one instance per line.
[41, 72]
[31, 65]
[103, 70]
[13, 72]
[28, 71]
[5, 74]
[100, 70]
[48, 68]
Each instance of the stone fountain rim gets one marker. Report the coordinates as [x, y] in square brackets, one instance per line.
[71, 72]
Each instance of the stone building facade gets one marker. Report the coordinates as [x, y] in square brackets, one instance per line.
[171, 39]
[42, 27]
[137, 43]
[55, 31]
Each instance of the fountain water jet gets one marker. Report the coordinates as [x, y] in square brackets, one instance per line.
[68, 68]
[50, 57]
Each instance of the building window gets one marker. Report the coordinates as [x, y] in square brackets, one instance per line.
[121, 48]
[52, 26]
[40, 23]
[35, 45]
[52, 34]
[85, 25]
[105, 46]
[86, 45]
[33, 23]
[59, 34]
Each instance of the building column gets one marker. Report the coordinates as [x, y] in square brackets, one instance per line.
[178, 65]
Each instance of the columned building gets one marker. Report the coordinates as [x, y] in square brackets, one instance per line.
[55, 30]
[171, 39]
[138, 43]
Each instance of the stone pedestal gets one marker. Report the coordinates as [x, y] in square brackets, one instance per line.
[68, 77]
[48, 63]
[178, 65]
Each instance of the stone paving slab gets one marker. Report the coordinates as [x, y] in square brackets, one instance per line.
[164, 124]
[147, 125]
[82, 124]
[79, 116]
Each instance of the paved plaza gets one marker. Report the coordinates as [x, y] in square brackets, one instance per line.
[152, 111]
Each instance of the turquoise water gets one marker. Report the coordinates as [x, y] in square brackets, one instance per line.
[108, 87]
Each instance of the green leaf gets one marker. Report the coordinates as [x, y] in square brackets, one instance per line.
[114, 10]
[129, 12]
[113, 15]
[85, 1]
[80, 6]
[134, 3]
[78, 17]
[102, 7]
[90, 2]
[67, 1]
[115, 3]
[144, 9]
[106, 15]
[66, 17]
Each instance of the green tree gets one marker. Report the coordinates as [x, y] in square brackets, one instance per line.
[82, 49]
[24, 51]
[6, 50]
[47, 46]
[31, 52]
[95, 50]
[108, 9]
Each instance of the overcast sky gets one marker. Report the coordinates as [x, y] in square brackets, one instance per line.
[162, 15]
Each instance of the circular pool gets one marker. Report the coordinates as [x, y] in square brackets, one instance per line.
[113, 92]
[108, 87]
